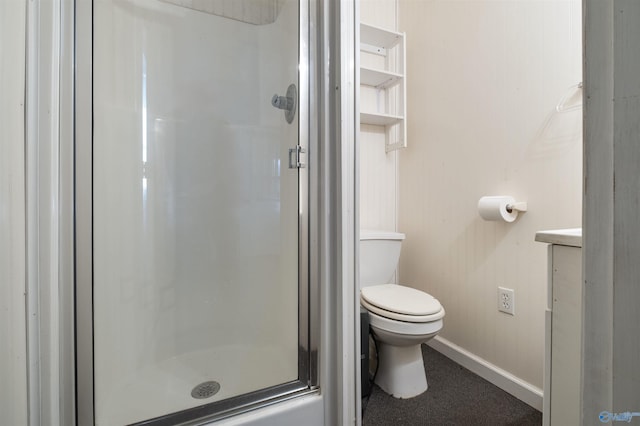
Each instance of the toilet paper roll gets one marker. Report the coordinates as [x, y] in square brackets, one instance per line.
[495, 208]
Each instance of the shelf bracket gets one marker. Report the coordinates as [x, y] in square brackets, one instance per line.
[376, 50]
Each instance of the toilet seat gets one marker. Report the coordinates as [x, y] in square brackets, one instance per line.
[401, 303]
[407, 331]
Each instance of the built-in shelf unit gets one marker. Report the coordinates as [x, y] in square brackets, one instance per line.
[382, 77]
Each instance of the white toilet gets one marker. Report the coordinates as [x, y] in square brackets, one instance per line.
[401, 318]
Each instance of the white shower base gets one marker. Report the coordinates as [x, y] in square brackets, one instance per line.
[165, 387]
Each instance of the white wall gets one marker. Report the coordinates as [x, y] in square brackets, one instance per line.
[13, 377]
[378, 170]
[484, 78]
[611, 379]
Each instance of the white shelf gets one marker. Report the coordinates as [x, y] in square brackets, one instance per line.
[379, 79]
[388, 80]
[380, 37]
[380, 119]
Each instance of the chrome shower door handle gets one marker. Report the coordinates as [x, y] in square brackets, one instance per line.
[295, 157]
[287, 103]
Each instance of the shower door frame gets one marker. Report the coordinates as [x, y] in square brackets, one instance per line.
[308, 302]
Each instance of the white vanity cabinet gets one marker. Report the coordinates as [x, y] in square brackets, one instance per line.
[563, 327]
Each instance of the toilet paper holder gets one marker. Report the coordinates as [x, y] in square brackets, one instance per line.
[500, 207]
[520, 206]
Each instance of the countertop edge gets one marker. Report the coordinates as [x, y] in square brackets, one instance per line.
[566, 237]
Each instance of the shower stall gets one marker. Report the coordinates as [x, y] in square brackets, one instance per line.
[193, 290]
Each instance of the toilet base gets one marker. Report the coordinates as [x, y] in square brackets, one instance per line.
[401, 370]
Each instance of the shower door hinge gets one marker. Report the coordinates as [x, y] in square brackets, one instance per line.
[295, 160]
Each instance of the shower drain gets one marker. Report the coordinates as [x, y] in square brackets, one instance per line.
[205, 390]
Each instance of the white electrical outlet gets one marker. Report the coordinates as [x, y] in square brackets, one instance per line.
[506, 300]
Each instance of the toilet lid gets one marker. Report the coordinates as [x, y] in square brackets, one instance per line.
[400, 299]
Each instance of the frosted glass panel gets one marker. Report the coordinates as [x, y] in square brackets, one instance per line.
[257, 12]
[195, 208]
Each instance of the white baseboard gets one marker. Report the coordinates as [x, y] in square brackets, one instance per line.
[506, 381]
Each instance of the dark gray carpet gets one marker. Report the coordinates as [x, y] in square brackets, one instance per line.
[456, 396]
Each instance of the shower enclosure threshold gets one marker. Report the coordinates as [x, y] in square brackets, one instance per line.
[167, 385]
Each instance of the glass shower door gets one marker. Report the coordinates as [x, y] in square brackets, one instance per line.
[196, 208]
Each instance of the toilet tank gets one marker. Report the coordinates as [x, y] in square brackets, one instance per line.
[379, 255]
